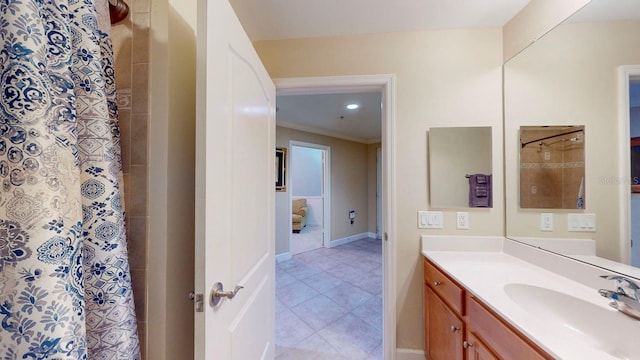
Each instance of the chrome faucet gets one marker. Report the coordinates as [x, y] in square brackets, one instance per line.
[625, 297]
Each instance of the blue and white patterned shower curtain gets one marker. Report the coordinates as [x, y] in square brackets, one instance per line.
[65, 287]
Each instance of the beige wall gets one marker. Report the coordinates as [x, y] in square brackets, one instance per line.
[171, 172]
[535, 20]
[570, 78]
[349, 186]
[372, 183]
[444, 78]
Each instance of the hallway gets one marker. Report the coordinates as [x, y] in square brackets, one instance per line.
[329, 303]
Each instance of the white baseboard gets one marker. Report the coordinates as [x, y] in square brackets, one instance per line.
[348, 239]
[409, 354]
[283, 257]
[372, 235]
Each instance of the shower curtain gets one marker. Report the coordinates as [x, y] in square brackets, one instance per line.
[65, 288]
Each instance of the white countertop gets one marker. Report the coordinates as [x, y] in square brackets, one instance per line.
[486, 273]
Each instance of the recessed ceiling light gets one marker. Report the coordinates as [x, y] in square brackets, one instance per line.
[352, 106]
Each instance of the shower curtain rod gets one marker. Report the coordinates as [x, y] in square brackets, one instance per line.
[550, 137]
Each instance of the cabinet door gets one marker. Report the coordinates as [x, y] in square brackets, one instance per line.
[503, 339]
[476, 349]
[444, 330]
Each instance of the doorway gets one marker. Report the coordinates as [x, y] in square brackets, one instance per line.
[385, 84]
[629, 125]
[310, 166]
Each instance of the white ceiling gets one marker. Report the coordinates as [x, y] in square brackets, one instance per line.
[283, 19]
[327, 114]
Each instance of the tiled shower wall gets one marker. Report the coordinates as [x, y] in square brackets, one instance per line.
[131, 50]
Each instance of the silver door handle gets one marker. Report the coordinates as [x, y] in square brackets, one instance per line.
[217, 293]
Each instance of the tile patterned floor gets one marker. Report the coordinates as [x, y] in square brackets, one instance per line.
[309, 238]
[329, 303]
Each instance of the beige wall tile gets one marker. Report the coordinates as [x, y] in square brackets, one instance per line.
[124, 120]
[121, 37]
[137, 241]
[132, 97]
[140, 89]
[138, 191]
[141, 24]
[140, 6]
[142, 336]
[123, 98]
[139, 284]
[139, 135]
[127, 189]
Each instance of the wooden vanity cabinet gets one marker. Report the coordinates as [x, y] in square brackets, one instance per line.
[475, 349]
[458, 326]
[446, 329]
[445, 287]
[443, 309]
[499, 335]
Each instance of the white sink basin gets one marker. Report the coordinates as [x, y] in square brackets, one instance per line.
[604, 328]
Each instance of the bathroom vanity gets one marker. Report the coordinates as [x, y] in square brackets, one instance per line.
[494, 298]
[456, 322]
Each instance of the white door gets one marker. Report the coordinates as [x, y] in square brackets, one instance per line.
[235, 190]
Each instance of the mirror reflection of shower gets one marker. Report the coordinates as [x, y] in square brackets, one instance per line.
[552, 167]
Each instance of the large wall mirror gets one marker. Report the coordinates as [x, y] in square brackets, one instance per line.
[460, 172]
[568, 77]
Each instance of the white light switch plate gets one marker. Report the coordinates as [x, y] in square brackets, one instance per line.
[430, 219]
[581, 222]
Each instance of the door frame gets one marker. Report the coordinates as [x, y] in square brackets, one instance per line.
[379, 193]
[625, 72]
[385, 83]
[326, 189]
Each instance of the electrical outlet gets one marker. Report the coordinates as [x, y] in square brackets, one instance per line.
[546, 221]
[462, 220]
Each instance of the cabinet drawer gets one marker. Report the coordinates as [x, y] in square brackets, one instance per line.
[446, 288]
[505, 341]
